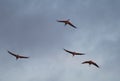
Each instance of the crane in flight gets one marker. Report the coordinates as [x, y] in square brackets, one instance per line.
[67, 22]
[16, 55]
[90, 62]
[74, 53]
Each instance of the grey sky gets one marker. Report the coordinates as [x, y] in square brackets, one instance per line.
[29, 27]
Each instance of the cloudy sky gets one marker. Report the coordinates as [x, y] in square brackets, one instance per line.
[29, 27]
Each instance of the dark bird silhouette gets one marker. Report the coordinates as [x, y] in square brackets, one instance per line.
[74, 53]
[67, 22]
[90, 62]
[17, 56]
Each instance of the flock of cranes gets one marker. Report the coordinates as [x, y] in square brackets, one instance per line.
[17, 56]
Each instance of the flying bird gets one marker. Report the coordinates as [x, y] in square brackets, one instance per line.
[74, 53]
[17, 56]
[67, 22]
[90, 62]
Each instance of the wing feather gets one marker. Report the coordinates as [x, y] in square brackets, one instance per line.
[12, 53]
[23, 57]
[85, 62]
[68, 51]
[80, 54]
[72, 25]
[60, 21]
[95, 64]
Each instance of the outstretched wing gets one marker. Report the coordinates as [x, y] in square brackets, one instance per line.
[95, 64]
[79, 54]
[68, 51]
[12, 53]
[60, 21]
[72, 25]
[85, 62]
[23, 57]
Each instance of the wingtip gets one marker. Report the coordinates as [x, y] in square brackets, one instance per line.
[82, 63]
[8, 51]
[83, 54]
[98, 66]
[57, 20]
[75, 27]
[64, 49]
